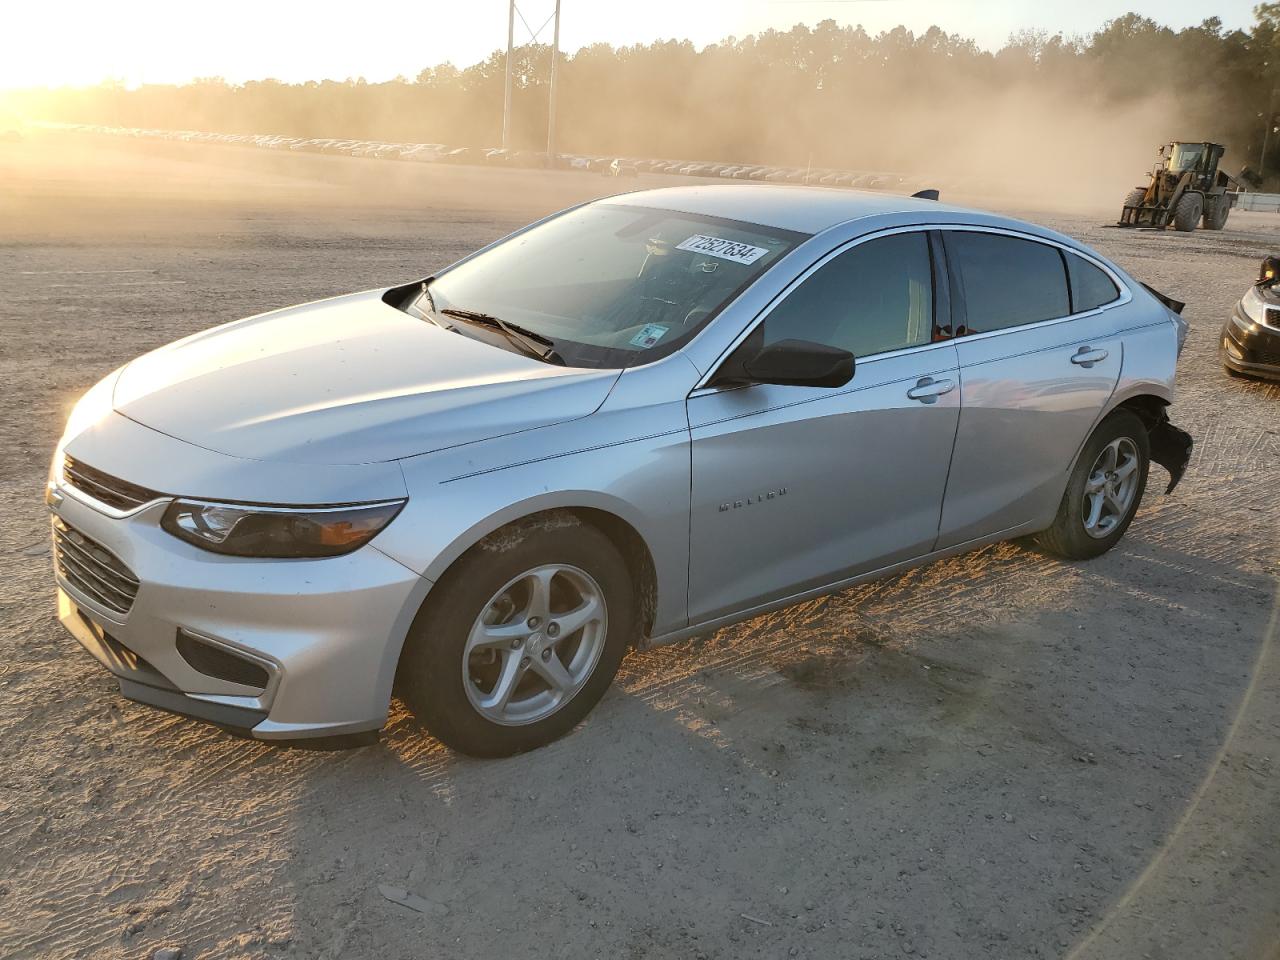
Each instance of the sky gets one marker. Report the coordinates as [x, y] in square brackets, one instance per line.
[57, 42]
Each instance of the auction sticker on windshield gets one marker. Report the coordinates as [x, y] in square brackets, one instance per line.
[724, 249]
[649, 335]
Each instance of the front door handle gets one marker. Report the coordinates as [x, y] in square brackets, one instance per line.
[928, 390]
[1087, 356]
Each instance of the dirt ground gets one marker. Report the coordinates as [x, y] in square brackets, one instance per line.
[1000, 755]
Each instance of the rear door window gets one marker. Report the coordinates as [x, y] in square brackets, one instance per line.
[1005, 281]
[1090, 286]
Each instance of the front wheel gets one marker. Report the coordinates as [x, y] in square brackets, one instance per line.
[520, 638]
[1187, 213]
[1104, 491]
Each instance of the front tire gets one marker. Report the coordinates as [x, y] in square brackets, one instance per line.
[520, 638]
[1187, 214]
[1104, 491]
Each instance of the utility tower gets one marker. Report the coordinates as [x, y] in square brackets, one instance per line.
[512, 12]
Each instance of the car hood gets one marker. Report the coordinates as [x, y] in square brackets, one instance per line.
[347, 380]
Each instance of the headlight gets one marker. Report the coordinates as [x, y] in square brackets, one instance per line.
[243, 530]
[1253, 306]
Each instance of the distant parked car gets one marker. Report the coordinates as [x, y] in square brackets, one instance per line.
[530, 158]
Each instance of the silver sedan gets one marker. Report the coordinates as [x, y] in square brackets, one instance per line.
[636, 420]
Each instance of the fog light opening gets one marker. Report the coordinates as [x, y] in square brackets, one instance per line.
[220, 663]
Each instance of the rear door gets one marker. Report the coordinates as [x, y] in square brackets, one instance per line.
[1039, 357]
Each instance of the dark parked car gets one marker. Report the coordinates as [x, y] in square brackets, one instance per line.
[1251, 336]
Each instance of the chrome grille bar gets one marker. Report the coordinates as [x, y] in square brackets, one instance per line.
[85, 556]
[92, 569]
[114, 492]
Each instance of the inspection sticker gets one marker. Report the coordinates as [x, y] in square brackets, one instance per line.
[724, 249]
[649, 335]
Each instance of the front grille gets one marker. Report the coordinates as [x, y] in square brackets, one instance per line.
[92, 569]
[114, 492]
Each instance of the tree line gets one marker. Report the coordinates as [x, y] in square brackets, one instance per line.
[1042, 106]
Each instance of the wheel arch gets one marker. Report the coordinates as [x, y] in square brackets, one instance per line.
[1148, 400]
[615, 517]
[595, 510]
[1147, 405]
[610, 516]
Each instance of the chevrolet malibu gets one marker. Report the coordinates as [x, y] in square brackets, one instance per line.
[634, 421]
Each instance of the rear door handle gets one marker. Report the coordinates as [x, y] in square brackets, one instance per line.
[1087, 356]
[928, 390]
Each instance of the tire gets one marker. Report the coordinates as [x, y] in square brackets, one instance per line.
[1134, 198]
[1187, 214]
[495, 580]
[1216, 212]
[1069, 536]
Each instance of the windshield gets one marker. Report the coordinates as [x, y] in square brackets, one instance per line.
[1185, 156]
[611, 285]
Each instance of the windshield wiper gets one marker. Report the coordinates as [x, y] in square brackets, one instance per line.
[534, 344]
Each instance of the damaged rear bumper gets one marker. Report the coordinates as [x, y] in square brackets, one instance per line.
[1169, 446]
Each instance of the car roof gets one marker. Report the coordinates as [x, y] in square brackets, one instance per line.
[786, 206]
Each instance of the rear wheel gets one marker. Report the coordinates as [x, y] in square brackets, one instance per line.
[1216, 212]
[1187, 214]
[1104, 491]
[520, 638]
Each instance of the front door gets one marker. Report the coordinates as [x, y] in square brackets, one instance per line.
[798, 487]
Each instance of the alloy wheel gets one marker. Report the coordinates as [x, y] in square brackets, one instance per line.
[535, 644]
[1111, 488]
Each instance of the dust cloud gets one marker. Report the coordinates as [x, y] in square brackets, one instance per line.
[1047, 121]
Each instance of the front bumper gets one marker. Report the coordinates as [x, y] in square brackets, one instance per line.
[1249, 347]
[326, 633]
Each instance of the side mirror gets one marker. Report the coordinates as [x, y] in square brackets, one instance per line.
[800, 363]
